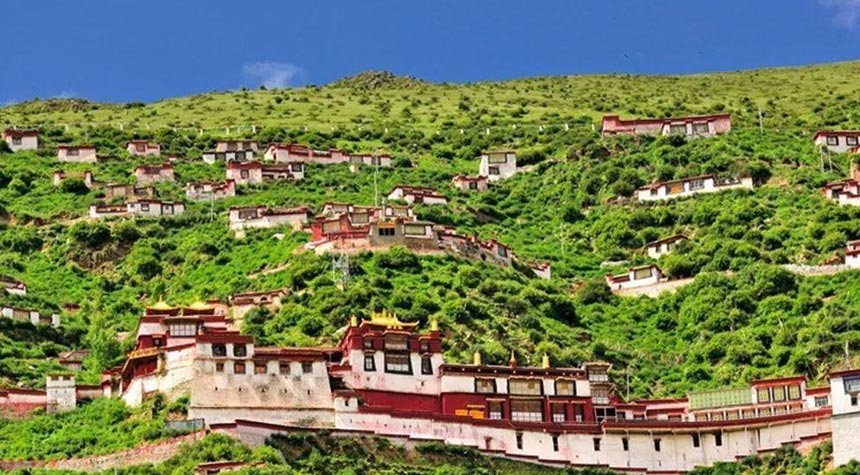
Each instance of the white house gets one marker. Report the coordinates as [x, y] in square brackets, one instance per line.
[140, 208]
[77, 153]
[838, 141]
[228, 156]
[635, 277]
[29, 315]
[542, 270]
[147, 175]
[210, 190]
[417, 194]
[690, 126]
[236, 145]
[254, 172]
[289, 153]
[845, 423]
[470, 183]
[663, 246]
[242, 217]
[21, 139]
[13, 286]
[498, 165]
[142, 148]
[852, 254]
[665, 190]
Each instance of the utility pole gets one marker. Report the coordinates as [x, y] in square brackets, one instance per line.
[375, 186]
[760, 121]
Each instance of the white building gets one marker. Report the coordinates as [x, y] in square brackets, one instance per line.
[845, 421]
[664, 246]
[77, 153]
[417, 195]
[690, 186]
[29, 315]
[244, 217]
[838, 141]
[148, 175]
[139, 208]
[210, 190]
[142, 148]
[21, 139]
[236, 145]
[635, 277]
[233, 155]
[498, 165]
[470, 183]
[254, 172]
[852, 254]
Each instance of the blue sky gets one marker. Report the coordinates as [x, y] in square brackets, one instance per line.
[147, 50]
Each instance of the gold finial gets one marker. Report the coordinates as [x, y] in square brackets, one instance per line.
[477, 358]
[434, 325]
[545, 363]
[513, 360]
[353, 321]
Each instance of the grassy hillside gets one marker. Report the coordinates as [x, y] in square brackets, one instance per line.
[743, 318]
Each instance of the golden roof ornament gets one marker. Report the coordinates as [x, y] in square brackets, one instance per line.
[513, 360]
[161, 305]
[476, 358]
[434, 325]
[545, 362]
[389, 321]
[353, 321]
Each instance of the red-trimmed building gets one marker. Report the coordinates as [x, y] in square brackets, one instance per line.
[417, 195]
[837, 141]
[254, 172]
[243, 217]
[21, 139]
[690, 126]
[77, 153]
[142, 148]
[210, 190]
[470, 183]
[148, 175]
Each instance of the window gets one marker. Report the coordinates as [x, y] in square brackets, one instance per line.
[375, 161]
[368, 343]
[559, 412]
[497, 158]
[697, 184]
[578, 412]
[503, 251]
[424, 346]
[331, 227]
[73, 152]
[284, 369]
[485, 385]
[832, 140]
[495, 409]
[779, 394]
[385, 231]
[493, 171]
[246, 145]
[696, 441]
[296, 167]
[240, 351]
[701, 128]
[221, 156]
[853, 399]
[527, 410]
[397, 363]
[244, 174]
[642, 273]
[596, 443]
[219, 350]
[369, 362]
[821, 401]
[219, 367]
[852, 141]
[555, 443]
[231, 146]
[794, 392]
[183, 329]
[678, 129]
[748, 413]
[718, 439]
[565, 387]
[239, 367]
[259, 368]
[526, 387]
[359, 218]
[601, 413]
[16, 140]
[144, 207]
[156, 342]
[473, 185]
[763, 395]
[625, 444]
[519, 440]
[426, 365]
[656, 445]
[307, 367]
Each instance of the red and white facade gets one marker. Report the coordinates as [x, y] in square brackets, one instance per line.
[254, 172]
[13, 286]
[852, 254]
[838, 141]
[295, 153]
[236, 145]
[210, 190]
[666, 190]
[77, 153]
[470, 183]
[30, 315]
[417, 195]
[148, 175]
[498, 164]
[691, 126]
[19, 139]
[245, 217]
[635, 277]
[142, 148]
[142, 208]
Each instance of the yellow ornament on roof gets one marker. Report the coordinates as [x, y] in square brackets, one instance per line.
[198, 305]
[388, 320]
[476, 358]
[161, 305]
[545, 362]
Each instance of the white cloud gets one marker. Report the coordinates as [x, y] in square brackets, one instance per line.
[845, 12]
[272, 74]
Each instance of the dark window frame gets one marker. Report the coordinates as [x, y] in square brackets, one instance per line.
[369, 358]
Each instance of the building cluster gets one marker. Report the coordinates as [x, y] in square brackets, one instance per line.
[30, 315]
[387, 378]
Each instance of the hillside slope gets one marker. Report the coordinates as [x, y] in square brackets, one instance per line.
[743, 318]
